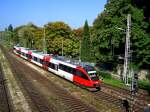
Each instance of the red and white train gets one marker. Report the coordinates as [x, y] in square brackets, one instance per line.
[78, 73]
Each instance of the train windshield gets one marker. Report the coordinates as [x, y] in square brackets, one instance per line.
[93, 75]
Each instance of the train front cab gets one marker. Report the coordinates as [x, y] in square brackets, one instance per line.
[89, 81]
[95, 81]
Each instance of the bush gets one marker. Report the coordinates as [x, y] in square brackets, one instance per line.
[144, 85]
[104, 74]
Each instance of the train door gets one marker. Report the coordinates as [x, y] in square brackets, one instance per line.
[29, 56]
[46, 60]
[45, 64]
[40, 62]
[56, 67]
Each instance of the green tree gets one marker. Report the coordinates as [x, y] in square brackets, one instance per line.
[10, 28]
[58, 35]
[26, 35]
[78, 33]
[106, 34]
[86, 44]
[38, 38]
[10, 33]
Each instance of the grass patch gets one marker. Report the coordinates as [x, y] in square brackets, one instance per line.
[144, 84]
[114, 82]
[105, 75]
[108, 79]
[118, 83]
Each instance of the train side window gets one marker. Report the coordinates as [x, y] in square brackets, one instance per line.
[61, 67]
[67, 69]
[51, 65]
[71, 70]
[35, 59]
[41, 61]
[80, 74]
[64, 68]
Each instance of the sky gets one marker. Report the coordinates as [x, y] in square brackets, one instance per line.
[40, 12]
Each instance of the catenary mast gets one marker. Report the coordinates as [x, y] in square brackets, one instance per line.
[127, 70]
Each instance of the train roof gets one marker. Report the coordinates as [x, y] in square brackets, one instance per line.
[88, 66]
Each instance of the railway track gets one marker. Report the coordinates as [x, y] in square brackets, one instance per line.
[117, 104]
[39, 103]
[112, 102]
[4, 99]
[138, 101]
[22, 72]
